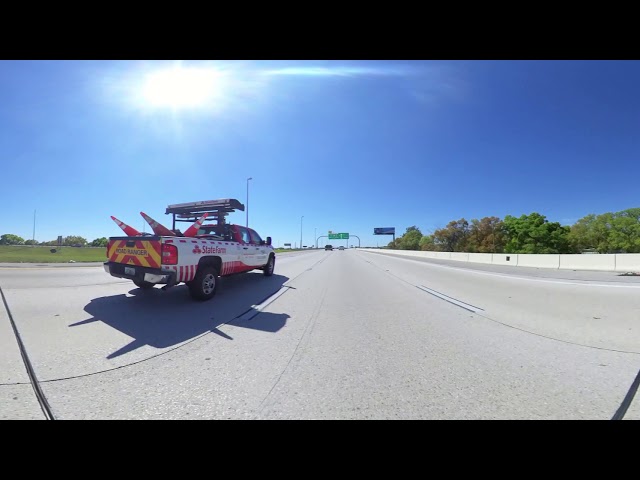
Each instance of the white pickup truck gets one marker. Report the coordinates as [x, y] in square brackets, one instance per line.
[197, 257]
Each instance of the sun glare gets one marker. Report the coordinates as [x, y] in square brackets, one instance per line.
[182, 87]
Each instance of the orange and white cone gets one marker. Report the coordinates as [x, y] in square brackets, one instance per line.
[192, 231]
[130, 231]
[157, 228]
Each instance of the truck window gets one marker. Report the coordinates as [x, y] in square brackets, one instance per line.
[220, 231]
[244, 234]
[255, 238]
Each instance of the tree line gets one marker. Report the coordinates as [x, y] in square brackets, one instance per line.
[610, 232]
[69, 241]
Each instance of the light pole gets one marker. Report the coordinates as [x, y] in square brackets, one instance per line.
[493, 237]
[250, 178]
[315, 237]
[301, 230]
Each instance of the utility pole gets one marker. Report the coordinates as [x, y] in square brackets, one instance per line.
[493, 235]
[301, 230]
[247, 207]
[33, 243]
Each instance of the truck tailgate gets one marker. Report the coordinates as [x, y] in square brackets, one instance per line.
[143, 252]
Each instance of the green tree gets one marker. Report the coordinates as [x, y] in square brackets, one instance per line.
[600, 232]
[100, 242]
[411, 239]
[11, 239]
[624, 235]
[74, 240]
[591, 232]
[31, 242]
[427, 242]
[453, 237]
[486, 235]
[608, 232]
[533, 233]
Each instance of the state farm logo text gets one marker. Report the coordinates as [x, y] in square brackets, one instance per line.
[209, 250]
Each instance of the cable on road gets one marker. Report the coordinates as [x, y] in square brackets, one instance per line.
[624, 406]
[42, 399]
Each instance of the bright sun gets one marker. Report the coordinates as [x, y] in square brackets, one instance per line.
[182, 87]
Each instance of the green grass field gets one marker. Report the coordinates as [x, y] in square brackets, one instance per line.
[37, 254]
[29, 254]
[281, 250]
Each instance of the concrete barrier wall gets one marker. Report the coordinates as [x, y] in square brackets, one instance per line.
[628, 262]
[501, 259]
[541, 260]
[480, 257]
[412, 253]
[588, 262]
[621, 262]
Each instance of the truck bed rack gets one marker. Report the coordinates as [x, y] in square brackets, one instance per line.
[191, 211]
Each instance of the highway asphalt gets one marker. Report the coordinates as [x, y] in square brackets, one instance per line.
[331, 335]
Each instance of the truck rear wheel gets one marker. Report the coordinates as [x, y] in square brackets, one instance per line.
[204, 284]
[143, 285]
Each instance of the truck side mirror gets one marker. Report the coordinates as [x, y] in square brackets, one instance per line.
[268, 240]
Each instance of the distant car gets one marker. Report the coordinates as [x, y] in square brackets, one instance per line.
[328, 247]
[340, 247]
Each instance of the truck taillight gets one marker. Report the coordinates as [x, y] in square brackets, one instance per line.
[169, 254]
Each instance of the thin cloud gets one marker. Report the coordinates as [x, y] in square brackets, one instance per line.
[427, 83]
[341, 71]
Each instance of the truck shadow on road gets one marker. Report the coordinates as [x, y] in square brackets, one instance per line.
[164, 319]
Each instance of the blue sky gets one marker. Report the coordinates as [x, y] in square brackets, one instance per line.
[350, 145]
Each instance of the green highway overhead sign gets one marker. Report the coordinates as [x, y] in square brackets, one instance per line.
[338, 236]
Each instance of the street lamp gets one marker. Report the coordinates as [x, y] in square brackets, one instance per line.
[250, 178]
[33, 239]
[315, 237]
[301, 230]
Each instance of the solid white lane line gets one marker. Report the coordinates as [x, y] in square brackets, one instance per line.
[449, 299]
[256, 309]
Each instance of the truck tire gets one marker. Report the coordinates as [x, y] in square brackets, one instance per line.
[269, 267]
[204, 284]
[143, 285]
